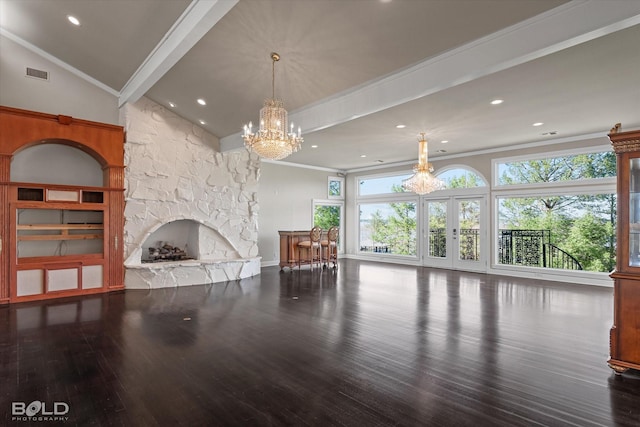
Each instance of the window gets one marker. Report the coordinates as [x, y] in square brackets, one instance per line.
[569, 167]
[574, 232]
[329, 213]
[387, 216]
[557, 221]
[335, 187]
[370, 186]
[461, 178]
[388, 228]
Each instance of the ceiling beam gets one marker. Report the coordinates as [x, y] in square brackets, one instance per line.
[199, 17]
[568, 25]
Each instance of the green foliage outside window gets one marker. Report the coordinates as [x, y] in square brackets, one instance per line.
[335, 188]
[392, 228]
[557, 169]
[581, 225]
[326, 216]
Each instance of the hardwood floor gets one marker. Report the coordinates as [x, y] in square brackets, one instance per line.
[367, 345]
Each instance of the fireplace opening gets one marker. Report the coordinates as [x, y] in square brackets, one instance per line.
[183, 240]
[174, 241]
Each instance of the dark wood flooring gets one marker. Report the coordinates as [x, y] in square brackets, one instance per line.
[368, 345]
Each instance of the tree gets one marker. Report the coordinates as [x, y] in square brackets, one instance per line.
[585, 243]
[396, 230]
[379, 230]
[326, 216]
[465, 180]
[401, 229]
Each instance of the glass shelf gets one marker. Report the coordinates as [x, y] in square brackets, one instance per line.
[634, 212]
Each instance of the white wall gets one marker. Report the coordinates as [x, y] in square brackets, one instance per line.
[286, 196]
[73, 166]
[64, 93]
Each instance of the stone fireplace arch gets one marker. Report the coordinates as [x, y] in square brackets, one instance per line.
[200, 240]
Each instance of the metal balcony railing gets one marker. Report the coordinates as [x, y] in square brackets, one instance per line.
[531, 248]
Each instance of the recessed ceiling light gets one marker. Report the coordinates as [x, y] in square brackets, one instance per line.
[401, 126]
[538, 124]
[363, 155]
[497, 102]
[314, 146]
[444, 141]
[202, 101]
[202, 122]
[172, 105]
[75, 21]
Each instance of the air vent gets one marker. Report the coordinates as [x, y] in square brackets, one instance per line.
[37, 74]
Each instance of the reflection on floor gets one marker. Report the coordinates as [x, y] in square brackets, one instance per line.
[368, 344]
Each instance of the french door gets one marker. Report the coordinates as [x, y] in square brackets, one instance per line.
[455, 234]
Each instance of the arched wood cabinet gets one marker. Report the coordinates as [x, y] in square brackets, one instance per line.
[625, 332]
[60, 240]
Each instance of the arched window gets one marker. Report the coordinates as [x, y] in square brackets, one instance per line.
[461, 177]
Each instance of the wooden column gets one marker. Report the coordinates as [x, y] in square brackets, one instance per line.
[5, 229]
[114, 179]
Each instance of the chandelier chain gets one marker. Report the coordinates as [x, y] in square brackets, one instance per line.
[274, 57]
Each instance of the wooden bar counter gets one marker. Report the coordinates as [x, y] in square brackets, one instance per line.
[289, 247]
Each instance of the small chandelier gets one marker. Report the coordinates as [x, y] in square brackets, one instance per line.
[271, 140]
[422, 181]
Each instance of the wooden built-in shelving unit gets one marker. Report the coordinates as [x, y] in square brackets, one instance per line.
[60, 240]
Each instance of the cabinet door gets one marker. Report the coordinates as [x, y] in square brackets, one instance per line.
[626, 315]
[633, 226]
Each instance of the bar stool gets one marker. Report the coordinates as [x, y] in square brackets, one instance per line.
[311, 247]
[330, 246]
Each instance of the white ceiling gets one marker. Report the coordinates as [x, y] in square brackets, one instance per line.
[352, 70]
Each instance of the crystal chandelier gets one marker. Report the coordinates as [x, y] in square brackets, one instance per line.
[422, 181]
[271, 140]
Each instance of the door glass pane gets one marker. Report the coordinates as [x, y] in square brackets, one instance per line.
[469, 223]
[437, 212]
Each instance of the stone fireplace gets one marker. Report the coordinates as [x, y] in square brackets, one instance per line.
[181, 191]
